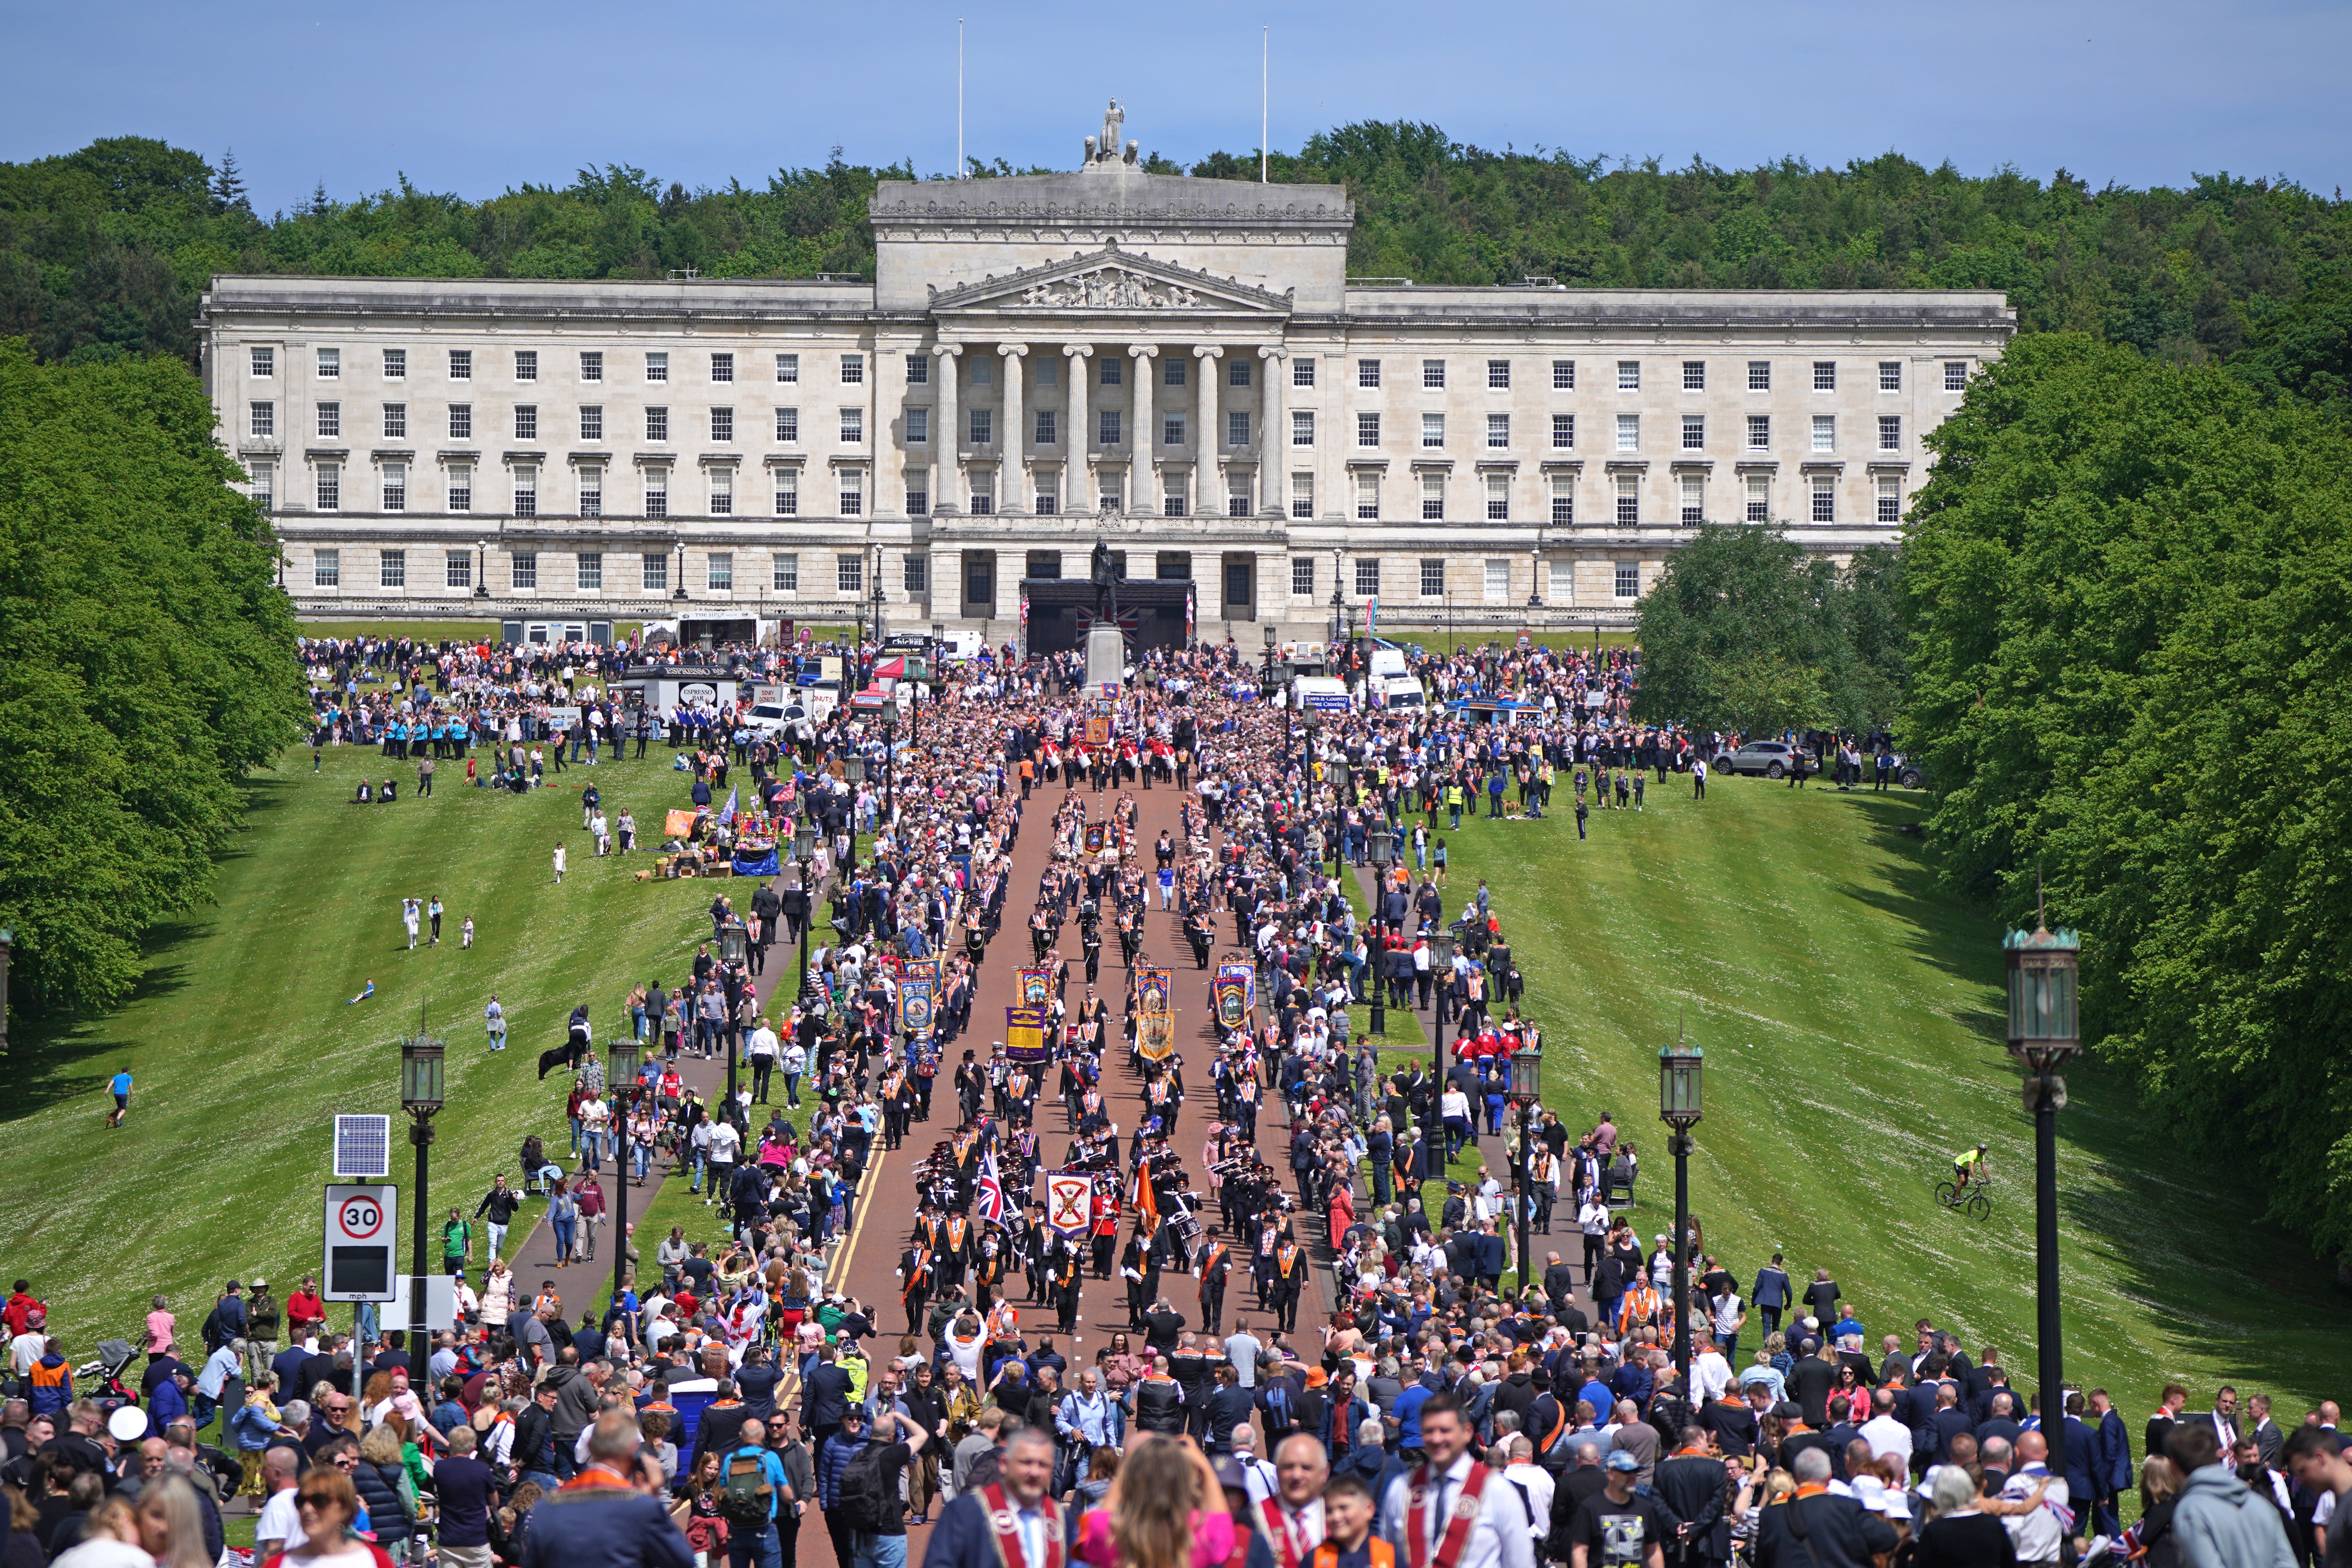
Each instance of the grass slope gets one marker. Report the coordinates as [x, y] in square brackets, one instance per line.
[243, 1046]
[1852, 1014]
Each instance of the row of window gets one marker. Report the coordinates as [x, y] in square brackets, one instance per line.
[1693, 437]
[589, 570]
[529, 571]
[1371, 573]
[1046, 424]
[1430, 495]
[721, 368]
[262, 363]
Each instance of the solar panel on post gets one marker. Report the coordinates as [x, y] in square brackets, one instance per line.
[362, 1148]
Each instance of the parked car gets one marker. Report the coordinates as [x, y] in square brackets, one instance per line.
[1770, 758]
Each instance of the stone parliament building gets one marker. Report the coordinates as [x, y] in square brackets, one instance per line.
[1179, 367]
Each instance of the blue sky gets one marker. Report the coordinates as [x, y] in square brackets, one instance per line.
[476, 98]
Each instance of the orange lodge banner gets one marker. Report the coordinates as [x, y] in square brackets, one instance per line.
[1024, 1035]
[1155, 1014]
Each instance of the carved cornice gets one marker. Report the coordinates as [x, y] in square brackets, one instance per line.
[1110, 278]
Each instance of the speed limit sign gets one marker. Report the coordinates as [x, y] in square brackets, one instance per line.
[362, 1227]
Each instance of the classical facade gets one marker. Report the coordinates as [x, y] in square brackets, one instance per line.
[1181, 367]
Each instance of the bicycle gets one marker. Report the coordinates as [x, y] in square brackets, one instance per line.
[1971, 1202]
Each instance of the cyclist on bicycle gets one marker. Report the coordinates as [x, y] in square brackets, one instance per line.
[1967, 1164]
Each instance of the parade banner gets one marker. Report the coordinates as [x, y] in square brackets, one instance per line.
[1236, 993]
[1098, 731]
[1024, 1035]
[1069, 1201]
[1036, 986]
[1096, 833]
[1155, 1016]
[918, 969]
[918, 1004]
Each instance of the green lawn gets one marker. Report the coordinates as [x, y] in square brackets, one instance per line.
[1851, 1012]
[243, 1046]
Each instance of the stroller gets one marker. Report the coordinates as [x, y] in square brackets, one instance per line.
[103, 1377]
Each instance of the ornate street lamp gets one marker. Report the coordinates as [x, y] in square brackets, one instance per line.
[481, 569]
[2044, 977]
[890, 763]
[1680, 1067]
[420, 1096]
[801, 902]
[623, 1059]
[1526, 1089]
[853, 767]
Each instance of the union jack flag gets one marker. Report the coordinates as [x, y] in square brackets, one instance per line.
[992, 1188]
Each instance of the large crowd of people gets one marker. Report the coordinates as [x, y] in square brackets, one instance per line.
[1248, 1308]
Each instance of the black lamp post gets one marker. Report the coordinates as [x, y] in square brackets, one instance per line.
[481, 569]
[734, 946]
[2043, 987]
[890, 763]
[420, 1096]
[876, 597]
[1441, 966]
[1679, 1068]
[804, 851]
[622, 1060]
[1527, 1088]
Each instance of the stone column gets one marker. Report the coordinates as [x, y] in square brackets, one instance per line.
[1077, 474]
[1142, 472]
[1208, 483]
[1012, 471]
[1273, 434]
[947, 484]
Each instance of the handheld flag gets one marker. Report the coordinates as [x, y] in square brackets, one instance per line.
[992, 1188]
[726, 812]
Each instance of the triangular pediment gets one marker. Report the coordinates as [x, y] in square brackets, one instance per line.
[1111, 281]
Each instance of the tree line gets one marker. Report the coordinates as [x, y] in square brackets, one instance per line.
[104, 251]
[150, 664]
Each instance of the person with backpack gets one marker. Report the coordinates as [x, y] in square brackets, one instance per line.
[752, 1490]
[857, 1486]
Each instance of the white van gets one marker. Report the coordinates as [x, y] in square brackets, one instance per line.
[958, 647]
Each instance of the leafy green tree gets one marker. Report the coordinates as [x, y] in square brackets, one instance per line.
[151, 662]
[1747, 630]
[2130, 669]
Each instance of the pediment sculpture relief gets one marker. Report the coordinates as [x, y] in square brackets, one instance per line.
[1114, 288]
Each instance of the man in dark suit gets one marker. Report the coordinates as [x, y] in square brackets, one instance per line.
[825, 1399]
[1817, 1529]
[2113, 1475]
[1690, 1483]
[1772, 1294]
[1950, 1421]
[2000, 1422]
[1733, 1420]
[1559, 1282]
[1488, 1249]
[1822, 1298]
